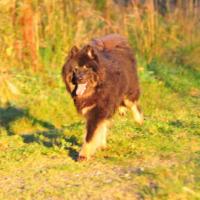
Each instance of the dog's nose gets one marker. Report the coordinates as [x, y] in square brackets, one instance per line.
[80, 76]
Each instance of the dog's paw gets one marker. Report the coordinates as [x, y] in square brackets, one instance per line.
[104, 148]
[139, 118]
[86, 152]
[122, 110]
[82, 158]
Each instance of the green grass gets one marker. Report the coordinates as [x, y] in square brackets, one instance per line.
[41, 134]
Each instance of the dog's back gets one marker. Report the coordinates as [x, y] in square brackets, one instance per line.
[120, 64]
[109, 42]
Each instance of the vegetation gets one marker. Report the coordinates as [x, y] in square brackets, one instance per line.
[40, 131]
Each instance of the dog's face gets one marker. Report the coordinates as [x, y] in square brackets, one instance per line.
[80, 73]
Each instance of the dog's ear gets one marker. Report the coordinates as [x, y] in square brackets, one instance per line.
[90, 51]
[74, 50]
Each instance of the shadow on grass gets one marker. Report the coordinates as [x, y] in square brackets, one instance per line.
[49, 138]
[177, 124]
[54, 138]
[10, 113]
[181, 79]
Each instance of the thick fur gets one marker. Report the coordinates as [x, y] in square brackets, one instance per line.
[108, 66]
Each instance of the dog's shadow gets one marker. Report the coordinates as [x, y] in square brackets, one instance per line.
[10, 113]
[50, 138]
[54, 138]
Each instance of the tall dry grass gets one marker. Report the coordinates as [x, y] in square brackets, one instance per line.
[37, 34]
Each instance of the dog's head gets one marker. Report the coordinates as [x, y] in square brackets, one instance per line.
[81, 71]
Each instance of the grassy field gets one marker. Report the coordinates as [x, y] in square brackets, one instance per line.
[41, 134]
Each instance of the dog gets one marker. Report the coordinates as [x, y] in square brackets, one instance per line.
[101, 77]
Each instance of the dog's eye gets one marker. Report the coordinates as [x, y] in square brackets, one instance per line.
[76, 68]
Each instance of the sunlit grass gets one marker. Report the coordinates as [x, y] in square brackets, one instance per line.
[41, 132]
[41, 135]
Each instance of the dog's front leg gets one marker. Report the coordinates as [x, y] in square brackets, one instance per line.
[95, 138]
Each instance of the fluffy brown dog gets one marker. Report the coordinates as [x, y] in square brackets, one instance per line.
[101, 78]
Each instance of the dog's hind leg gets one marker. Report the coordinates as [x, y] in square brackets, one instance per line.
[137, 114]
